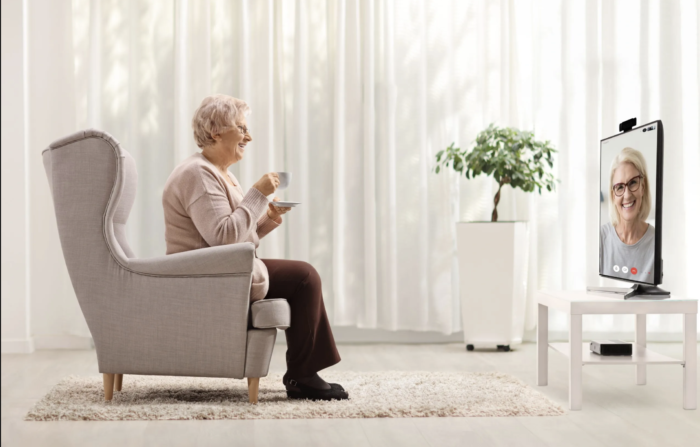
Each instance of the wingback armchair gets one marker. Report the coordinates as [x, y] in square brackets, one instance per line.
[186, 314]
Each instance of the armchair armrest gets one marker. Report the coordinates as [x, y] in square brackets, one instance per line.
[222, 260]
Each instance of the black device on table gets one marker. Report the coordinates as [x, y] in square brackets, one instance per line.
[611, 347]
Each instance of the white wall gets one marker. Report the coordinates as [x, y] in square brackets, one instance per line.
[35, 287]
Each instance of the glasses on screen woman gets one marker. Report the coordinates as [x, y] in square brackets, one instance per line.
[632, 184]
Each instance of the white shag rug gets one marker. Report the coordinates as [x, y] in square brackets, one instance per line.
[387, 394]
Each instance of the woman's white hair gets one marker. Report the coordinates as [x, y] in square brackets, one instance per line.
[216, 115]
[636, 159]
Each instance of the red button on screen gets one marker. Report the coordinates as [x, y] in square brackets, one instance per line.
[634, 271]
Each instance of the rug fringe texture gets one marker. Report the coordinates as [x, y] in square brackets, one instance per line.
[386, 394]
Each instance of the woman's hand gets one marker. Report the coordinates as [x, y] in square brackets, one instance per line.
[274, 212]
[268, 183]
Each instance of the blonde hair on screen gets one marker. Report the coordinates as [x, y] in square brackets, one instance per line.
[216, 115]
[636, 159]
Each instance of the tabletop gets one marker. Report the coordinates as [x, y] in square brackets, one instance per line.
[583, 302]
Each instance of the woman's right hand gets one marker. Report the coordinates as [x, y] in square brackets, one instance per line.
[268, 183]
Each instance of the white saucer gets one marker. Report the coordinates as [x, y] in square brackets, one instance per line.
[286, 204]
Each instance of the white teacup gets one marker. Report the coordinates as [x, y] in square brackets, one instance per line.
[285, 178]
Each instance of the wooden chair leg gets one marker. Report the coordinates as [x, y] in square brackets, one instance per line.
[118, 382]
[108, 380]
[253, 386]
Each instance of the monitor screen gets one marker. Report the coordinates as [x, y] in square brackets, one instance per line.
[630, 205]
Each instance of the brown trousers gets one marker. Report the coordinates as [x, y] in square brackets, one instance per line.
[310, 343]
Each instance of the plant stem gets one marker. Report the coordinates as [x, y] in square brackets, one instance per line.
[496, 199]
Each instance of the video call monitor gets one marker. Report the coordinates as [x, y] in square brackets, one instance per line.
[631, 185]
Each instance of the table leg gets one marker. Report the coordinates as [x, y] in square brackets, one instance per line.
[640, 338]
[575, 362]
[542, 344]
[690, 356]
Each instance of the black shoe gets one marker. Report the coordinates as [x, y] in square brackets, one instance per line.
[336, 386]
[306, 392]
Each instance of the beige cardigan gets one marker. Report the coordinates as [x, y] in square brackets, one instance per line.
[202, 210]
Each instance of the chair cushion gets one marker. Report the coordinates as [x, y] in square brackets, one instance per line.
[269, 313]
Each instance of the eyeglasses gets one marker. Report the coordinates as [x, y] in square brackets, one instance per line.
[632, 184]
[243, 130]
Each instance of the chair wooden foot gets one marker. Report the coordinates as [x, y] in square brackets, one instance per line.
[108, 380]
[253, 386]
[118, 382]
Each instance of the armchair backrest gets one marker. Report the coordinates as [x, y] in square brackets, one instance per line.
[93, 182]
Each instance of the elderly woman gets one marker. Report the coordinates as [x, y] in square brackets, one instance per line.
[205, 205]
[627, 241]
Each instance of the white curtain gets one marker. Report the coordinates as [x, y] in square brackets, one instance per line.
[355, 98]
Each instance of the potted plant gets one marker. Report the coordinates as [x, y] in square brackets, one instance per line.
[493, 255]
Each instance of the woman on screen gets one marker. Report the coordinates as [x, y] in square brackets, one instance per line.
[627, 241]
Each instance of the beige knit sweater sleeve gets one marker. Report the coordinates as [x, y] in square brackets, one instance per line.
[265, 225]
[215, 220]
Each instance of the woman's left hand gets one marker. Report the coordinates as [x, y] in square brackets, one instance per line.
[276, 211]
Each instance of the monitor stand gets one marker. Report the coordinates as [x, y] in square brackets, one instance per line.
[648, 292]
[637, 290]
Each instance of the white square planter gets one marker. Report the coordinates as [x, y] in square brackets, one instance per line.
[493, 260]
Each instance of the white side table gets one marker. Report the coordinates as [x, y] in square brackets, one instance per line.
[578, 303]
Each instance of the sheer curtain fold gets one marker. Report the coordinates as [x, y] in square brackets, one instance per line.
[299, 136]
[355, 97]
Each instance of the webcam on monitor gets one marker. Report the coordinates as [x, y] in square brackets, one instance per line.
[628, 125]
[630, 211]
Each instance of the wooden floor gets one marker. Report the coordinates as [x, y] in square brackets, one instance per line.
[616, 412]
